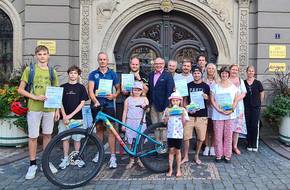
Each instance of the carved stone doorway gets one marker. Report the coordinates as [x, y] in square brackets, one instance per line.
[173, 35]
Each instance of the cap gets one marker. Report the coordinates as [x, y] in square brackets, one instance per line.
[196, 68]
[138, 85]
[175, 95]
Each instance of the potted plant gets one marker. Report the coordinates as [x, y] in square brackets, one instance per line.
[13, 128]
[278, 113]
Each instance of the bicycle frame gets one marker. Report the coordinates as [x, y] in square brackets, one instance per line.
[101, 116]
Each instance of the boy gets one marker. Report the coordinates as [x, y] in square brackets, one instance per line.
[37, 112]
[73, 100]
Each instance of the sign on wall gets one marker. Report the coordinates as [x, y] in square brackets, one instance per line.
[50, 44]
[274, 67]
[277, 51]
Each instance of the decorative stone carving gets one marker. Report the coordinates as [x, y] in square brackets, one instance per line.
[221, 12]
[243, 35]
[85, 39]
[106, 8]
[166, 6]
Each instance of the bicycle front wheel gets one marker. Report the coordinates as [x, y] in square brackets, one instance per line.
[157, 162]
[81, 164]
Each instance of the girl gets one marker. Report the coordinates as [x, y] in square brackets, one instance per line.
[240, 123]
[211, 79]
[132, 116]
[175, 117]
[224, 101]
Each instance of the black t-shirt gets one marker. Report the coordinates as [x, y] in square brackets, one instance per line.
[193, 87]
[252, 98]
[73, 94]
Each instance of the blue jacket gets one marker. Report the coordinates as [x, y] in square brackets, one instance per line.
[158, 94]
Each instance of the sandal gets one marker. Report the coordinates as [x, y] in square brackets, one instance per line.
[130, 165]
[140, 163]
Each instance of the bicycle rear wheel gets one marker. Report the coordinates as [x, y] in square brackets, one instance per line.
[80, 168]
[157, 162]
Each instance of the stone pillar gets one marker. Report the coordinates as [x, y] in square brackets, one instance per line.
[85, 43]
[243, 36]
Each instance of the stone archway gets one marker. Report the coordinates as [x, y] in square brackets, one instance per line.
[8, 8]
[216, 30]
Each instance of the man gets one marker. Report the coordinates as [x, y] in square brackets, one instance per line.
[138, 75]
[103, 72]
[198, 119]
[172, 67]
[186, 72]
[161, 86]
[201, 62]
[37, 114]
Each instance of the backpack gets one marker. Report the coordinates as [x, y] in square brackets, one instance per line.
[32, 73]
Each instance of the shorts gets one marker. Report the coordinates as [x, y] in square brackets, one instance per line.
[62, 127]
[34, 119]
[200, 126]
[174, 143]
[109, 111]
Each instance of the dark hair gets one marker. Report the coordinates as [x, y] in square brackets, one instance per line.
[250, 66]
[186, 61]
[196, 68]
[41, 48]
[224, 69]
[201, 55]
[74, 68]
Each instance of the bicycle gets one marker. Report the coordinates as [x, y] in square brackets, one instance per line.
[151, 151]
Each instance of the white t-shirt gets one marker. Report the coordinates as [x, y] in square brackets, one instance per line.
[175, 125]
[217, 90]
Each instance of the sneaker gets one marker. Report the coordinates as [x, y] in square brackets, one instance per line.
[206, 151]
[211, 151]
[64, 163]
[80, 163]
[113, 163]
[96, 158]
[250, 149]
[255, 149]
[31, 172]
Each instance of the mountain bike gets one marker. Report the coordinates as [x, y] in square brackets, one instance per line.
[150, 146]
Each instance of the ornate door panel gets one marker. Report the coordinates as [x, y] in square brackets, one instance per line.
[171, 35]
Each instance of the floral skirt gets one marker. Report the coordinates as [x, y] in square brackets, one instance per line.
[239, 125]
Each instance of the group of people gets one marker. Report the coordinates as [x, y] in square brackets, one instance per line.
[218, 128]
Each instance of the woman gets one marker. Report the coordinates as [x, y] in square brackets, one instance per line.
[211, 79]
[224, 101]
[240, 124]
[252, 103]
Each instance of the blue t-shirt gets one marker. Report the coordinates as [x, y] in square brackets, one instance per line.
[95, 77]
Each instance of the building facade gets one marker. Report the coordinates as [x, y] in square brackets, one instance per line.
[228, 31]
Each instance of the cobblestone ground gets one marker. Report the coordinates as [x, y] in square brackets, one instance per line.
[263, 170]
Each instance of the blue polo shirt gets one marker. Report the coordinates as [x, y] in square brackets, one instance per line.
[95, 77]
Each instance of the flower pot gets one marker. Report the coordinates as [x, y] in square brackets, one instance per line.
[284, 130]
[10, 135]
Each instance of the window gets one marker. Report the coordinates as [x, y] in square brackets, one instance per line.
[6, 44]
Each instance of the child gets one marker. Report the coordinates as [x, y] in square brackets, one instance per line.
[37, 114]
[175, 117]
[74, 97]
[132, 116]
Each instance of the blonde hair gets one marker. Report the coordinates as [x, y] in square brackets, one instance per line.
[215, 76]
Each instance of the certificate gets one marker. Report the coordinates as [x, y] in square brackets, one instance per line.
[54, 97]
[197, 98]
[127, 82]
[105, 87]
[87, 116]
[181, 87]
[224, 101]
